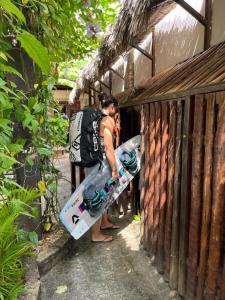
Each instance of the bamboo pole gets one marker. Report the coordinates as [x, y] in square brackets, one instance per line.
[207, 193]
[163, 189]
[152, 177]
[173, 275]
[157, 177]
[142, 185]
[170, 187]
[184, 199]
[196, 197]
[146, 178]
[218, 204]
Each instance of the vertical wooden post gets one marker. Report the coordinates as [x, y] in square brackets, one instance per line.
[184, 199]
[163, 188]
[208, 27]
[157, 177]
[110, 82]
[207, 192]
[153, 52]
[196, 197]
[142, 171]
[170, 186]
[73, 177]
[173, 276]
[222, 289]
[89, 95]
[218, 204]
[151, 177]
[146, 177]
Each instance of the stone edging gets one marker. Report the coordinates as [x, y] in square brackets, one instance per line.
[38, 266]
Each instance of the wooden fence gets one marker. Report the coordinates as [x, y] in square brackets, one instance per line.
[183, 192]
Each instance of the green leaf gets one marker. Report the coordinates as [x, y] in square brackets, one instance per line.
[34, 212]
[9, 69]
[11, 9]
[47, 226]
[41, 186]
[33, 237]
[29, 160]
[35, 50]
[61, 289]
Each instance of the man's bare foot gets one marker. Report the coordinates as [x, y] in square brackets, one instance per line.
[101, 238]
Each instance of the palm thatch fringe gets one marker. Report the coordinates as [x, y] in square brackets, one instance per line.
[134, 21]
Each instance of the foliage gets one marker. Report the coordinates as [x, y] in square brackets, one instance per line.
[50, 32]
[14, 243]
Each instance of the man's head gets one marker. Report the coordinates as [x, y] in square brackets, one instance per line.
[109, 104]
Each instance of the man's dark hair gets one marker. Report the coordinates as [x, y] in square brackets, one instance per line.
[107, 100]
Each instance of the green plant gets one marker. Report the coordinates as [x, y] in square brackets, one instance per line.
[14, 242]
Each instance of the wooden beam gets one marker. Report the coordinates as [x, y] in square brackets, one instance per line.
[117, 73]
[208, 28]
[192, 11]
[153, 51]
[92, 88]
[145, 53]
[101, 82]
[176, 95]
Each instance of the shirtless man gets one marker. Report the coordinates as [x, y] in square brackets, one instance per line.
[107, 128]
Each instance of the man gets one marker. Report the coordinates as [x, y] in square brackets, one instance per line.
[107, 128]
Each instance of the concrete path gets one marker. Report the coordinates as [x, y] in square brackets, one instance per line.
[111, 271]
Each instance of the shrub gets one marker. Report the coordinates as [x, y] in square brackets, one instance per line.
[14, 242]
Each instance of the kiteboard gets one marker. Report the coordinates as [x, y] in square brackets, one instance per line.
[98, 190]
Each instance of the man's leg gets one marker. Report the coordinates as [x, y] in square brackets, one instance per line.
[97, 235]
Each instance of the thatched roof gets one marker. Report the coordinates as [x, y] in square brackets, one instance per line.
[204, 70]
[134, 21]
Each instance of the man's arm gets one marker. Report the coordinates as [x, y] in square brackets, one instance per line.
[108, 145]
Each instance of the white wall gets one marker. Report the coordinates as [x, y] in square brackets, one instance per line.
[142, 64]
[105, 79]
[178, 36]
[218, 22]
[117, 82]
[84, 100]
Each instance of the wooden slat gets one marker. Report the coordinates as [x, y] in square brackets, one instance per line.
[146, 178]
[142, 181]
[196, 197]
[163, 188]
[173, 276]
[222, 289]
[170, 186]
[151, 177]
[218, 205]
[157, 176]
[185, 198]
[207, 193]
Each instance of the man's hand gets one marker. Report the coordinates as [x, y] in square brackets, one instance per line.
[115, 174]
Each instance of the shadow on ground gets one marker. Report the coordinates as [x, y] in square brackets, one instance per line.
[116, 270]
